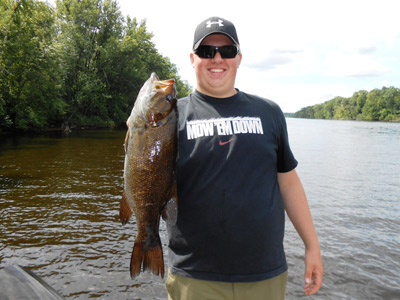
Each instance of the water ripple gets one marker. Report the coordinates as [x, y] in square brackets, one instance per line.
[59, 201]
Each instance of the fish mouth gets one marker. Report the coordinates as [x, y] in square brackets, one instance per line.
[166, 87]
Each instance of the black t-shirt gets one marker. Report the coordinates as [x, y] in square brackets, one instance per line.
[230, 223]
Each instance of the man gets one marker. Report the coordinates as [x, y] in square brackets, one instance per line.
[236, 177]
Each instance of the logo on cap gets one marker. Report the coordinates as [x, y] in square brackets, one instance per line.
[219, 22]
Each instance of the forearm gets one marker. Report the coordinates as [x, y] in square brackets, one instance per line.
[297, 208]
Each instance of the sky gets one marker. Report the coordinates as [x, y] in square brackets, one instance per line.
[296, 53]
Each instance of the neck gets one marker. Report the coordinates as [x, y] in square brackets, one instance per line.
[213, 94]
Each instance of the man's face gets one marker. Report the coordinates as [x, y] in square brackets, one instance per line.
[216, 76]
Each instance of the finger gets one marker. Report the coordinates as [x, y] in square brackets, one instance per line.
[308, 276]
[314, 285]
[308, 282]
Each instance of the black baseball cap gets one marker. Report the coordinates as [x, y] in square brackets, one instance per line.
[214, 25]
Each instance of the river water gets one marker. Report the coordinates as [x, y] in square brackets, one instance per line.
[59, 201]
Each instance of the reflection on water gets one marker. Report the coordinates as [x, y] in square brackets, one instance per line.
[59, 200]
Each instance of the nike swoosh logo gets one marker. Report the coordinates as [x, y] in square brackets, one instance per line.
[221, 143]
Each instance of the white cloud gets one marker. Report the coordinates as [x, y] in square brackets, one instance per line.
[340, 64]
[272, 60]
[294, 95]
[367, 50]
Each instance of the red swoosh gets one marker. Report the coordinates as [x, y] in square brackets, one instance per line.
[221, 143]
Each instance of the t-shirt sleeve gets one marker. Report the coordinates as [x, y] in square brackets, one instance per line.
[286, 159]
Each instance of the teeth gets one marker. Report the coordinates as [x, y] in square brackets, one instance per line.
[216, 70]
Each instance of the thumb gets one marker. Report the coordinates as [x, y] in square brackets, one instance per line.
[308, 276]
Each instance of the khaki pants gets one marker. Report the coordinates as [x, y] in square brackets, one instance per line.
[183, 288]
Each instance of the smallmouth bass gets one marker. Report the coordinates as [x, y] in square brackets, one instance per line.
[149, 171]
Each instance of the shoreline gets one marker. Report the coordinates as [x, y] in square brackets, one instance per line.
[372, 121]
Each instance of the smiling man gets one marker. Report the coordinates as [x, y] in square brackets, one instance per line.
[216, 76]
[236, 177]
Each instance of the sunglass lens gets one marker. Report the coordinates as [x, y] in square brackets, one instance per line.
[206, 51]
[228, 51]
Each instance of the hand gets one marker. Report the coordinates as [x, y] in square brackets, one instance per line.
[314, 271]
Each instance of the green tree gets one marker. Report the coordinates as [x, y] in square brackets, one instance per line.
[107, 59]
[372, 107]
[391, 104]
[88, 28]
[30, 83]
[361, 98]
[376, 105]
[305, 112]
[82, 64]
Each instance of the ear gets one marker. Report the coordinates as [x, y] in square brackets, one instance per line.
[192, 58]
[239, 59]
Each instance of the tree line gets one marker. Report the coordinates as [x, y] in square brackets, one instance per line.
[80, 63]
[376, 105]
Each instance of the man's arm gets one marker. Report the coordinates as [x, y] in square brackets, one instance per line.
[296, 206]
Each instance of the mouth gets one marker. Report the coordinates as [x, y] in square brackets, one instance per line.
[165, 86]
[216, 70]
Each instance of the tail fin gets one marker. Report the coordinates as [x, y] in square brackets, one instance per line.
[152, 259]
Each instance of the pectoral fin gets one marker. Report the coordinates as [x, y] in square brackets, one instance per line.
[126, 142]
[125, 211]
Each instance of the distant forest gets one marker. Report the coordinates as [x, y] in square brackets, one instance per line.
[80, 64]
[376, 105]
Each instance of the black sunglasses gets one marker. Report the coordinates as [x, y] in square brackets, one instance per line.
[206, 51]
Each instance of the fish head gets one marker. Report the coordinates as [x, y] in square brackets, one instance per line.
[163, 101]
[158, 100]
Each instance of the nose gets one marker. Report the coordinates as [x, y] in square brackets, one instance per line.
[217, 57]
